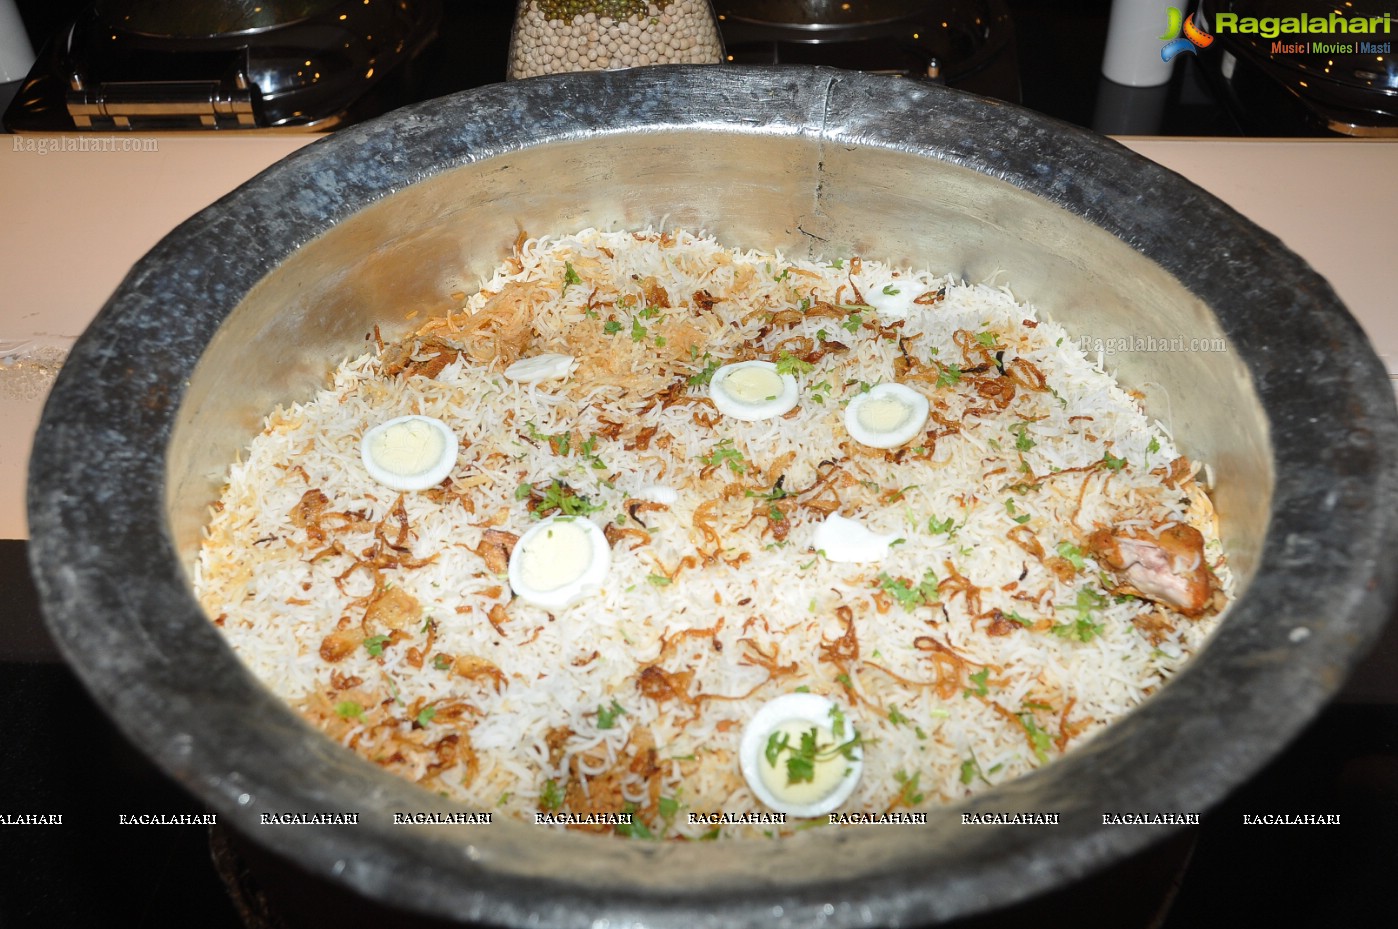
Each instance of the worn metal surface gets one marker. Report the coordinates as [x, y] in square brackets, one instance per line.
[254, 299]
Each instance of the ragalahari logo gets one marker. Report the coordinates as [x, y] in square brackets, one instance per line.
[1193, 35]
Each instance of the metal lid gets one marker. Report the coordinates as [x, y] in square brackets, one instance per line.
[175, 19]
[816, 13]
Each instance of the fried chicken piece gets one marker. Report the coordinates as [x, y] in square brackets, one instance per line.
[1167, 567]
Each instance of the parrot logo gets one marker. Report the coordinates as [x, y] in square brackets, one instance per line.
[1193, 35]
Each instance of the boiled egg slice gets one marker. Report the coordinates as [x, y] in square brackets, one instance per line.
[541, 368]
[410, 452]
[892, 298]
[887, 416]
[753, 390]
[559, 562]
[848, 540]
[778, 762]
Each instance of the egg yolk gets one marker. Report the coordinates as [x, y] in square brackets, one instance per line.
[557, 557]
[753, 385]
[407, 448]
[828, 771]
[883, 414]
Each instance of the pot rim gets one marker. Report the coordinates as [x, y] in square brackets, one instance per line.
[1334, 517]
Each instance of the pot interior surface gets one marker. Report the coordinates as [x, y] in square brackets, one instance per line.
[253, 302]
[409, 252]
[400, 260]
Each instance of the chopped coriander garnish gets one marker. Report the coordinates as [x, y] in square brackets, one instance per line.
[909, 795]
[559, 496]
[441, 662]
[1088, 600]
[724, 453]
[1112, 462]
[837, 264]
[890, 290]
[570, 277]
[636, 827]
[638, 332]
[1083, 629]
[606, 716]
[1151, 448]
[853, 322]
[349, 709]
[979, 679]
[1022, 440]
[1070, 552]
[1014, 513]
[1037, 737]
[375, 644]
[837, 722]
[705, 376]
[949, 376]
[776, 743]
[802, 759]
[776, 493]
[986, 338]
[611, 327]
[895, 716]
[588, 449]
[937, 527]
[788, 363]
[659, 580]
[552, 797]
[425, 715]
[908, 595]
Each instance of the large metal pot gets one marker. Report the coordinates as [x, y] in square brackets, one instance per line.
[250, 302]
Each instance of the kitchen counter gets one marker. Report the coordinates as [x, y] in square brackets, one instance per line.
[104, 201]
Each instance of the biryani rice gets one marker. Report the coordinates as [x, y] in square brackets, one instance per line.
[635, 699]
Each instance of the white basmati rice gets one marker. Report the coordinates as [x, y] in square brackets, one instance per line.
[605, 705]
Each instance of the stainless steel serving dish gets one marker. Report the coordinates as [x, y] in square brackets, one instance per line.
[251, 301]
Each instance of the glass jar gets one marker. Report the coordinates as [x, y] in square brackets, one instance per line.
[552, 36]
